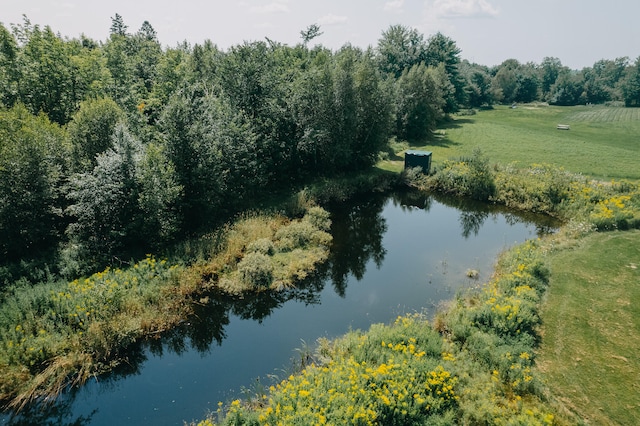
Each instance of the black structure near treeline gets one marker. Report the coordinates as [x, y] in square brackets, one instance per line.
[415, 158]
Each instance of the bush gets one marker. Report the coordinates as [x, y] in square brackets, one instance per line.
[263, 245]
[256, 270]
[466, 177]
[319, 218]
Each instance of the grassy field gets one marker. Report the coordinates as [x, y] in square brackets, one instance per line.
[603, 141]
[589, 352]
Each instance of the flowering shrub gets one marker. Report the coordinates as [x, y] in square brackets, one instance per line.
[466, 177]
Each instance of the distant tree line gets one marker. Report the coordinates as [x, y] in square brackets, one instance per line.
[110, 149]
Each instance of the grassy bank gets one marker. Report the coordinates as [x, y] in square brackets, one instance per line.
[592, 329]
[57, 334]
[602, 142]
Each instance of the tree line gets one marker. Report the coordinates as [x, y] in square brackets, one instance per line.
[113, 148]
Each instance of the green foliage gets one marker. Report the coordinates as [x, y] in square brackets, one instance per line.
[127, 202]
[158, 196]
[467, 177]
[419, 103]
[265, 253]
[33, 161]
[91, 131]
[381, 377]
[8, 63]
[46, 74]
[631, 85]
[104, 203]
[319, 218]
[256, 270]
[443, 51]
[541, 188]
[214, 151]
[263, 246]
[399, 48]
[61, 333]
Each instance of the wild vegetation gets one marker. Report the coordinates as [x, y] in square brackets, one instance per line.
[58, 334]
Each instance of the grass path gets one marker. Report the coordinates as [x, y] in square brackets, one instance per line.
[591, 340]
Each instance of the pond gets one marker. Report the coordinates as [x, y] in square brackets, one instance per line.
[392, 254]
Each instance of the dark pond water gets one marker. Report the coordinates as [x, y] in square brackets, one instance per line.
[391, 255]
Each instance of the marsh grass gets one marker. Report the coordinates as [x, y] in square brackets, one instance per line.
[59, 334]
[270, 252]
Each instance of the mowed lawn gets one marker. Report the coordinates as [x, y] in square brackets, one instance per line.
[603, 142]
[591, 342]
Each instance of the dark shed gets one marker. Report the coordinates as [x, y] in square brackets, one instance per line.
[414, 158]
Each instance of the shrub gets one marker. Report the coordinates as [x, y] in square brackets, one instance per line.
[263, 245]
[256, 270]
[319, 218]
[466, 177]
[300, 235]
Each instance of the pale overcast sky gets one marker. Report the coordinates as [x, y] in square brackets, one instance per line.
[578, 32]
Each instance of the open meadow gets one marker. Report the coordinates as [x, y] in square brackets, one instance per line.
[603, 142]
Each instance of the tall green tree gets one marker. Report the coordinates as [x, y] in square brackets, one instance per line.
[399, 48]
[527, 83]
[311, 32]
[374, 112]
[420, 104]
[104, 206]
[9, 73]
[213, 149]
[91, 131]
[631, 85]
[506, 80]
[158, 196]
[32, 172]
[443, 50]
[478, 88]
[46, 73]
[567, 89]
[549, 69]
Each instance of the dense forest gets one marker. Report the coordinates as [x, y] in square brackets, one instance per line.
[110, 149]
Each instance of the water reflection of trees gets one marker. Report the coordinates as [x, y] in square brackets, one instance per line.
[357, 229]
[473, 214]
[59, 413]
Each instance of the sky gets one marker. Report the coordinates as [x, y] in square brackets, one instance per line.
[578, 32]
